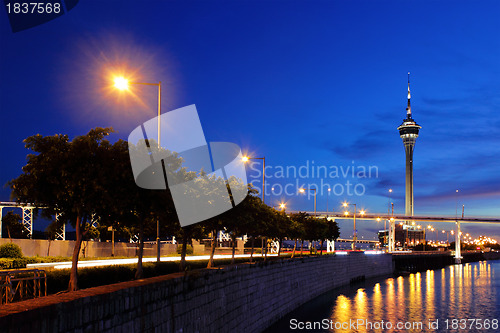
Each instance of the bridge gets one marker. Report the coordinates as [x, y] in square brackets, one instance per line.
[27, 218]
[404, 218]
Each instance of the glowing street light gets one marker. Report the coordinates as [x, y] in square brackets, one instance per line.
[245, 159]
[362, 212]
[282, 206]
[122, 83]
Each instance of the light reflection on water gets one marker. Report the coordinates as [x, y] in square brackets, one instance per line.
[467, 291]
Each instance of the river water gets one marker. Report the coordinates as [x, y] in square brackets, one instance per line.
[458, 298]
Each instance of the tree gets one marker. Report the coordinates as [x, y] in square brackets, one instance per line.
[296, 229]
[71, 178]
[51, 232]
[138, 209]
[302, 220]
[240, 220]
[328, 230]
[12, 223]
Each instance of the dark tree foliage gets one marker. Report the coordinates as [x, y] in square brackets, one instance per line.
[13, 227]
[72, 178]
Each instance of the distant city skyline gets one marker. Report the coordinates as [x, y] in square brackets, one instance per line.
[322, 81]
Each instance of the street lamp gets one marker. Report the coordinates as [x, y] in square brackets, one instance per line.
[246, 159]
[122, 83]
[388, 208]
[362, 212]
[282, 206]
[301, 190]
[447, 233]
[329, 190]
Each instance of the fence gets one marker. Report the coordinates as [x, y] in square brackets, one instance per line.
[17, 285]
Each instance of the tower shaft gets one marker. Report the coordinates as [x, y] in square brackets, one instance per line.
[409, 179]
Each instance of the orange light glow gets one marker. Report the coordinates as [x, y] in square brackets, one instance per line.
[121, 83]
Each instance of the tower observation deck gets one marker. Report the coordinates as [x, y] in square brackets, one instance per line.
[408, 131]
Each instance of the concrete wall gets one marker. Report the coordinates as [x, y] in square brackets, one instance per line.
[243, 298]
[43, 248]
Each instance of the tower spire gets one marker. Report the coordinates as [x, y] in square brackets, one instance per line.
[408, 108]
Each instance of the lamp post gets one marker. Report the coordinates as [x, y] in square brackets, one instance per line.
[354, 236]
[329, 190]
[310, 189]
[122, 83]
[458, 254]
[433, 229]
[447, 233]
[246, 159]
[388, 208]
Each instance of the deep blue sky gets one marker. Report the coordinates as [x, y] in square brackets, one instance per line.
[294, 81]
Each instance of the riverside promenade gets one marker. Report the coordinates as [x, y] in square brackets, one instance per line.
[240, 298]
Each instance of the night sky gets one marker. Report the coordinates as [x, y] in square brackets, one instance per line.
[320, 83]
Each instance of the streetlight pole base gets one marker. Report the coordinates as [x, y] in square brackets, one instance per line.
[158, 249]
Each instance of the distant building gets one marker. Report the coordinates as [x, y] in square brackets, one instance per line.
[409, 234]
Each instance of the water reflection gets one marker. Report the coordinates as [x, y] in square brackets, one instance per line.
[467, 291]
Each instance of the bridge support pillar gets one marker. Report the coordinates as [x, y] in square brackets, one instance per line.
[392, 236]
[28, 220]
[61, 234]
[458, 254]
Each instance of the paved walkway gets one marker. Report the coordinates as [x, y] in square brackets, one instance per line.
[109, 262]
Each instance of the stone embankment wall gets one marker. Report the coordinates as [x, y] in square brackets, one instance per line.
[43, 248]
[242, 298]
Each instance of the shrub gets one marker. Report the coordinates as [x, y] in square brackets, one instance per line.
[37, 259]
[15, 263]
[10, 250]
[5, 263]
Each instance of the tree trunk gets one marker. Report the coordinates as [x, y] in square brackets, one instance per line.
[294, 247]
[48, 248]
[8, 232]
[262, 246]
[279, 244]
[73, 279]
[187, 233]
[212, 251]
[139, 271]
[321, 249]
[251, 251]
[301, 248]
[233, 239]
